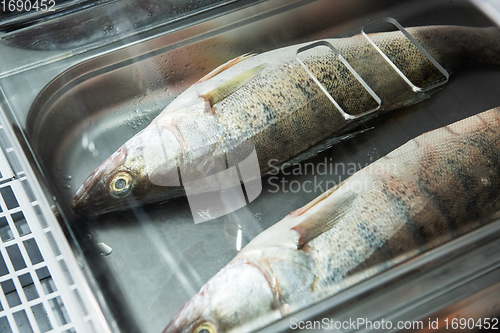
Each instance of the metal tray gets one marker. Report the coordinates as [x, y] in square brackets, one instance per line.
[148, 261]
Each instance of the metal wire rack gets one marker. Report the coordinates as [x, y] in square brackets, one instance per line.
[43, 288]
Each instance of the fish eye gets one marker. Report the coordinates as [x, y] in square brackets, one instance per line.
[205, 327]
[121, 184]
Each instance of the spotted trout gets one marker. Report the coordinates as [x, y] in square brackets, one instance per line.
[282, 103]
[431, 189]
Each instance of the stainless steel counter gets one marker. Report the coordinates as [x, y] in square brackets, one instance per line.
[72, 113]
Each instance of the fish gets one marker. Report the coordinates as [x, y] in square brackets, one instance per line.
[432, 189]
[280, 104]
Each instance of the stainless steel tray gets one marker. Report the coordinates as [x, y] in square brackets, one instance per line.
[159, 257]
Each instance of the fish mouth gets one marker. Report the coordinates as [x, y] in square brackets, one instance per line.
[85, 202]
[189, 315]
[81, 205]
[77, 199]
[92, 197]
[172, 328]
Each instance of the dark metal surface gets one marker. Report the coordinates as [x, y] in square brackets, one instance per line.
[72, 24]
[160, 258]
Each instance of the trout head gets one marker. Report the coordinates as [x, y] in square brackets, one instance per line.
[235, 299]
[130, 177]
[176, 148]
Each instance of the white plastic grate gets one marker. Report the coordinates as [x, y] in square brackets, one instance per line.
[42, 287]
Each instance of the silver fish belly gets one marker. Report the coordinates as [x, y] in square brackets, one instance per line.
[271, 102]
[433, 188]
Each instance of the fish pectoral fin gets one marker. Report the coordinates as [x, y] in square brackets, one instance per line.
[225, 66]
[324, 219]
[217, 94]
[317, 200]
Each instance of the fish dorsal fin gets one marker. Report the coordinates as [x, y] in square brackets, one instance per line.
[324, 219]
[225, 66]
[217, 94]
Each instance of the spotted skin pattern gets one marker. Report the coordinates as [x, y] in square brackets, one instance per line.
[275, 105]
[433, 188]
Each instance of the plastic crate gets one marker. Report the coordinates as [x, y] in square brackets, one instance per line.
[43, 288]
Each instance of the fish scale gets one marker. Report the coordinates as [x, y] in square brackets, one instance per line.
[271, 102]
[401, 205]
